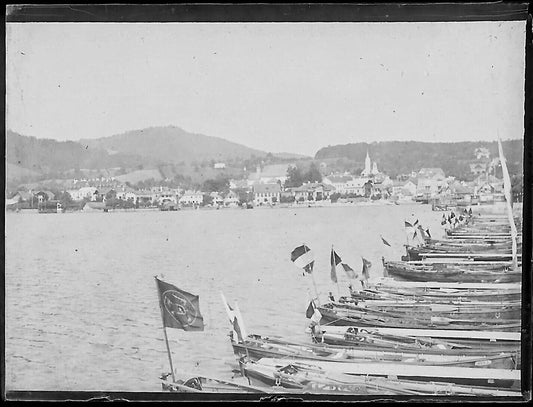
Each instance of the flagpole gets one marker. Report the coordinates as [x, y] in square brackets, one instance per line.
[336, 278]
[165, 332]
[406, 233]
[313, 279]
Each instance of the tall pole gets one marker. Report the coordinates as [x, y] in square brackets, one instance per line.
[508, 199]
[336, 278]
[313, 279]
[165, 332]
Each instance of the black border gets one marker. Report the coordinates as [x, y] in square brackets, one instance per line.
[265, 12]
[303, 12]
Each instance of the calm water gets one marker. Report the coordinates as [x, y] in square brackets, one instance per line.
[81, 303]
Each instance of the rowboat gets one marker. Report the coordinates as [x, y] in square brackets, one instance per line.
[428, 310]
[419, 253]
[343, 317]
[410, 272]
[256, 347]
[381, 379]
[202, 384]
[433, 292]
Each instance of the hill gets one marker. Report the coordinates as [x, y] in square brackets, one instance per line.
[52, 157]
[397, 157]
[171, 145]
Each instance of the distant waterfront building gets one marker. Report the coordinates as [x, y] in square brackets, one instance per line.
[482, 153]
[192, 198]
[266, 194]
[87, 192]
[231, 199]
[269, 174]
[313, 191]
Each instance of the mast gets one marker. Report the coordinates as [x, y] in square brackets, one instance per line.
[508, 200]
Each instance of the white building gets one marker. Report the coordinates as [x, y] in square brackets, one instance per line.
[192, 198]
[266, 194]
[87, 192]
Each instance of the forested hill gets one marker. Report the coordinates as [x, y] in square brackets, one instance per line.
[46, 156]
[172, 144]
[403, 157]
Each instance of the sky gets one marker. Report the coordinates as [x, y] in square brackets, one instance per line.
[278, 87]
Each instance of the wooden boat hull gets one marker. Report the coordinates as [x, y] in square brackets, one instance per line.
[445, 275]
[264, 348]
[312, 378]
[333, 317]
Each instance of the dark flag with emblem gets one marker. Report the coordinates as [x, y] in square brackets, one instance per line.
[303, 257]
[335, 260]
[179, 309]
[349, 271]
[385, 242]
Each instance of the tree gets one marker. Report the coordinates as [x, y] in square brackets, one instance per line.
[207, 200]
[334, 197]
[294, 177]
[313, 174]
[220, 184]
[65, 199]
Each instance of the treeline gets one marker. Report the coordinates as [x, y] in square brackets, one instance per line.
[397, 157]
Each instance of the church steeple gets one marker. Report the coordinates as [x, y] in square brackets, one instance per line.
[368, 165]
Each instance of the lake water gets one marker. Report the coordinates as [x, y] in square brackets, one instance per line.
[81, 303]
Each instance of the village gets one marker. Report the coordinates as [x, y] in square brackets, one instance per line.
[268, 186]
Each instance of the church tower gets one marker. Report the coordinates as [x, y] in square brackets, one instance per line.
[368, 166]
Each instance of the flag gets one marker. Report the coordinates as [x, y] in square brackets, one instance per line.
[179, 308]
[303, 257]
[365, 273]
[367, 262]
[313, 313]
[349, 271]
[408, 225]
[335, 259]
[238, 324]
[235, 319]
[385, 242]
[414, 234]
[310, 310]
[317, 316]
[229, 311]
[429, 234]
[414, 224]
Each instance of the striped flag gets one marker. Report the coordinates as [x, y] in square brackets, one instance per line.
[385, 242]
[335, 259]
[313, 313]
[303, 257]
[349, 271]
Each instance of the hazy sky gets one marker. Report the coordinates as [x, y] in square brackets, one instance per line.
[280, 87]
